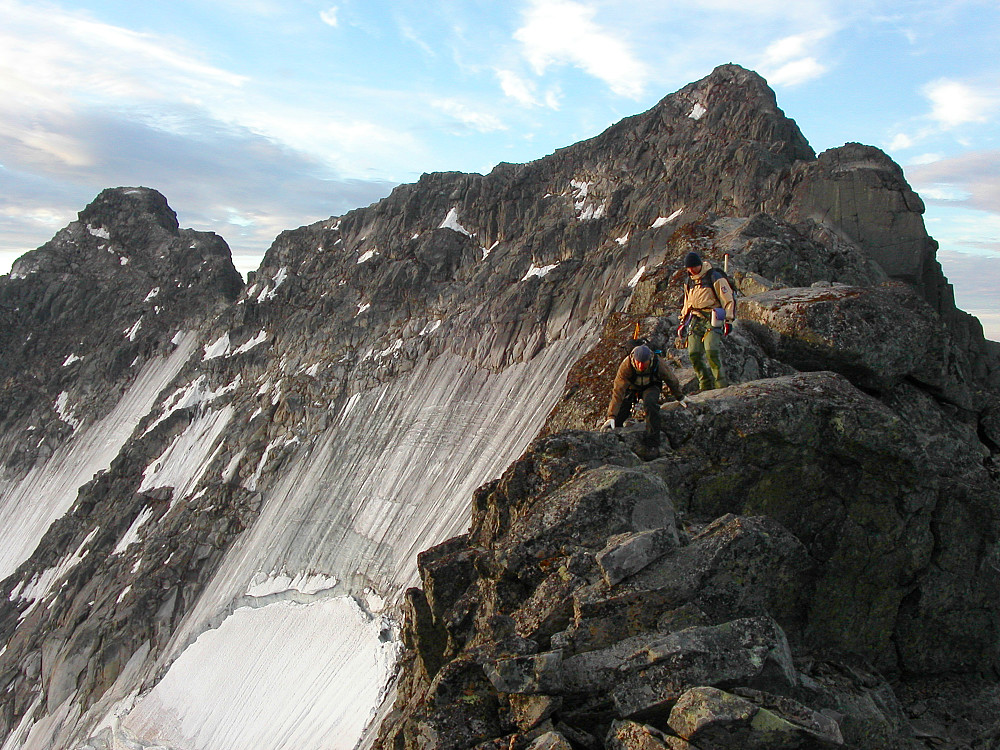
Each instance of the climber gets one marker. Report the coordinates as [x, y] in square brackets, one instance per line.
[641, 375]
[707, 315]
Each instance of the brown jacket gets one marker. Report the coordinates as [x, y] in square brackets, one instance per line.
[629, 379]
[701, 299]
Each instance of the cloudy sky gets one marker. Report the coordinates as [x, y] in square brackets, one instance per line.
[254, 116]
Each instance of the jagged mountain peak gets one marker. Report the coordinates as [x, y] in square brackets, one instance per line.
[131, 232]
[85, 310]
[129, 206]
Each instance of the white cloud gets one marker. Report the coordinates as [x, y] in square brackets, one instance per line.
[517, 88]
[944, 192]
[954, 103]
[564, 32]
[792, 60]
[972, 178]
[900, 142]
[796, 72]
[329, 16]
[407, 32]
[483, 122]
[54, 64]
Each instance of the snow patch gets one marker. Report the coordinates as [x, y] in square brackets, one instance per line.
[430, 328]
[583, 210]
[265, 293]
[638, 275]
[222, 696]
[194, 394]
[154, 292]
[538, 271]
[218, 348]
[623, 239]
[65, 413]
[451, 222]
[253, 481]
[396, 346]
[184, 462]
[131, 536]
[490, 249]
[664, 220]
[697, 111]
[132, 332]
[362, 308]
[367, 256]
[41, 583]
[71, 359]
[257, 340]
[100, 232]
[229, 473]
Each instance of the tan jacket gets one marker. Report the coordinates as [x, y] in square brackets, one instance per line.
[629, 379]
[701, 299]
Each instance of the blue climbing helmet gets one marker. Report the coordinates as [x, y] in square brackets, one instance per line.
[642, 357]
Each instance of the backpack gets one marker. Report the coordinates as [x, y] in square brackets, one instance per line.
[709, 279]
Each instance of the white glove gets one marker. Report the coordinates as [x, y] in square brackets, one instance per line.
[608, 426]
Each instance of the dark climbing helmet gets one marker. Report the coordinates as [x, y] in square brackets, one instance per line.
[692, 260]
[642, 356]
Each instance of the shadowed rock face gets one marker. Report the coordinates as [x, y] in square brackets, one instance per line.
[744, 583]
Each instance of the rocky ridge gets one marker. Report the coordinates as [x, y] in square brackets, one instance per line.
[333, 421]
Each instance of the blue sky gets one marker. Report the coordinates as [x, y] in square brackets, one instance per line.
[254, 116]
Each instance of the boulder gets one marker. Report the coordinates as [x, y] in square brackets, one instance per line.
[528, 711]
[769, 253]
[550, 741]
[590, 634]
[876, 336]
[532, 674]
[460, 711]
[854, 481]
[627, 554]
[712, 718]
[861, 193]
[737, 566]
[630, 735]
[447, 571]
[750, 651]
[596, 505]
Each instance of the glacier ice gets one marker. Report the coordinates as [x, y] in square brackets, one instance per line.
[336, 540]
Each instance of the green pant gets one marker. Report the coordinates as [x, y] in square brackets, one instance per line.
[705, 354]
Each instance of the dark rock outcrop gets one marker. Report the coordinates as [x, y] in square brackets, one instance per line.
[826, 541]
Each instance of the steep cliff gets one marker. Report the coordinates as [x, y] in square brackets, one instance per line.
[233, 574]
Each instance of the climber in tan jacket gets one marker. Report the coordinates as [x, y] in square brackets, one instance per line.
[707, 315]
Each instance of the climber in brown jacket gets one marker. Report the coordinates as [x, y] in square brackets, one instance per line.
[641, 375]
